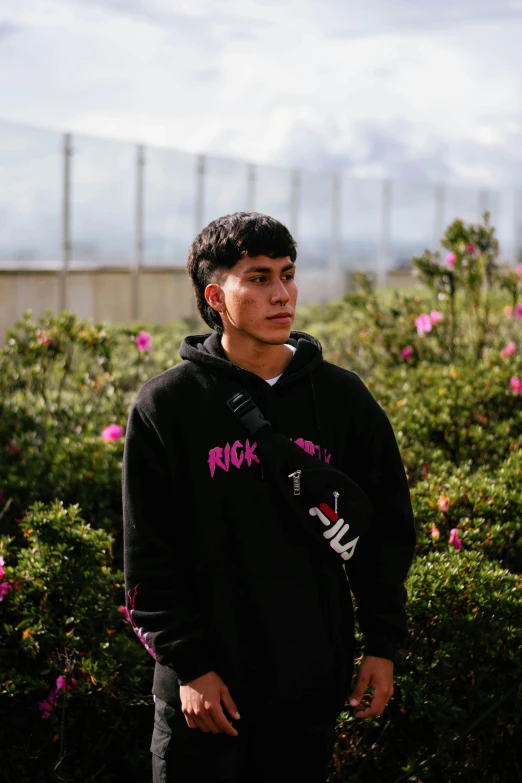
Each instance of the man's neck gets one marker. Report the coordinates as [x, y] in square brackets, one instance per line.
[267, 361]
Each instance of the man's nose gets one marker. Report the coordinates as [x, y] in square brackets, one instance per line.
[280, 294]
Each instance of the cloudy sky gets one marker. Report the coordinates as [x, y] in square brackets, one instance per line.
[418, 89]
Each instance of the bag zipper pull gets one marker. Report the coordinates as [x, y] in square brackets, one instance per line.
[336, 495]
[296, 476]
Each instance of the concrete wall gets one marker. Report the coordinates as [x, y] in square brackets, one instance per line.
[105, 293]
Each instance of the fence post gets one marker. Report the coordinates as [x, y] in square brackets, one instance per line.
[335, 247]
[295, 187]
[138, 239]
[384, 255]
[66, 219]
[517, 210]
[201, 169]
[440, 204]
[483, 202]
[251, 186]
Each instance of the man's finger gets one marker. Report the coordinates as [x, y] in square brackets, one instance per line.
[358, 692]
[229, 703]
[205, 718]
[376, 707]
[213, 719]
[369, 712]
[200, 723]
[221, 722]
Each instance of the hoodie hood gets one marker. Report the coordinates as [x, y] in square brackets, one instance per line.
[206, 350]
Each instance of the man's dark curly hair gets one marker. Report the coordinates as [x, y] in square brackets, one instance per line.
[224, 242]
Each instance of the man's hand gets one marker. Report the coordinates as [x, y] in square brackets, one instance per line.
[378, 674]
[201, 704]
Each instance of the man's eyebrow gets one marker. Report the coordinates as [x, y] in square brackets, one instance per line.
[264, 270]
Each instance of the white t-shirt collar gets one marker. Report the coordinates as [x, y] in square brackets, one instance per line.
[271, 381]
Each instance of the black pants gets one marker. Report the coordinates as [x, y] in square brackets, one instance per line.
[278, 750]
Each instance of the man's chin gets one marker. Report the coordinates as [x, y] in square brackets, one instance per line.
[266, 334]
[274, 339]
[278, 339]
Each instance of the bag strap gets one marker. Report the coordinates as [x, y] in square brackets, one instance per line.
[279, 454]
[272, 443]
[243, 406]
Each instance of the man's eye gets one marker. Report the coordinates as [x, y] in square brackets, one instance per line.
[258, 279]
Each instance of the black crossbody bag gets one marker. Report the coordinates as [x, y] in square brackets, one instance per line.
[330, 506]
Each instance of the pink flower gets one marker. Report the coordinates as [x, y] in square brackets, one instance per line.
[112, 432]
[363, 332]
[509, 350]
[443, 503]
[54, 696]
[454, 538]
[519, 269]
[516, 388]
[423, 323]
[508, 311]
[450, 260]
[470, 248]
[518, 312]
[45, 709]
[123, 610]
[47, 705]
[144, 341]
[60, 683]
[2, 562]
[435, 316]
[407, 352]
[435, 534]
[42, 338]
[4, 589]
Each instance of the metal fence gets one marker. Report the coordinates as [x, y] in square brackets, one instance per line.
[79, 199]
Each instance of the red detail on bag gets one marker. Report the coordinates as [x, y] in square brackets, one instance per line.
[329, 512]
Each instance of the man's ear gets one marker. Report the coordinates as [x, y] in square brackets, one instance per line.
[214, 297]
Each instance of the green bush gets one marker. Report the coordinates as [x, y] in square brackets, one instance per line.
[463, 304]
[42, 462]
[61, 619]
[445, 364]
[63, 380]
[62, 355]
[447, 414]
[463, 653]
[485, 508]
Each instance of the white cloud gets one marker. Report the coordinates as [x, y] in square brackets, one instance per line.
[402, 88]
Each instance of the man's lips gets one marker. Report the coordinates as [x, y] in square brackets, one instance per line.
[280, 318]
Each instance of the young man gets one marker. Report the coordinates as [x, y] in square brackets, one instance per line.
[250, 626]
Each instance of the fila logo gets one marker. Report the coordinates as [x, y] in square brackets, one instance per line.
[334, 534]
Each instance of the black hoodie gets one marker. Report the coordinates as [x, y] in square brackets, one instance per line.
[217, 577]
